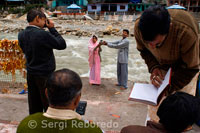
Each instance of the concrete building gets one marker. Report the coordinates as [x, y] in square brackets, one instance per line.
[108, 7]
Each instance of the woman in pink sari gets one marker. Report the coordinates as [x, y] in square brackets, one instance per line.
[94, 61]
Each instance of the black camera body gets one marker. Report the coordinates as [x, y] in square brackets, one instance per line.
[46, 22]
[81, 107]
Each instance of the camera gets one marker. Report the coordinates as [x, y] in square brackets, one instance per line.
[81, 107]
[46, 22]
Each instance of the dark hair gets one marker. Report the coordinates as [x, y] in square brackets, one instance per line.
[63, 86]
[34, 13]
[94, 36]
[178, 111]
[127, 31]
[155, 20]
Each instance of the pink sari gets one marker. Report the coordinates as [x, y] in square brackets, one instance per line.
[94, 63]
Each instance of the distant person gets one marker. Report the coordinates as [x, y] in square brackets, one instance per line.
[25, 90]
[64, 92]
[94, 61]
[122, 59]
[177, 113]
[37, 45]
[169, 38]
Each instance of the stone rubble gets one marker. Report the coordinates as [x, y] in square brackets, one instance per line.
[11, 23]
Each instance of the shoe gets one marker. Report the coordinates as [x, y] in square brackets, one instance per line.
[23, 92]
[123, 88]
[117, 85]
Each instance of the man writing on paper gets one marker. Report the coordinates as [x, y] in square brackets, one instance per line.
[169, 38]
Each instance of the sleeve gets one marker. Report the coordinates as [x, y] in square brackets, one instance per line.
[118, 44]
[20, 41]
[55, 40]
[190, 58]
[149, 59]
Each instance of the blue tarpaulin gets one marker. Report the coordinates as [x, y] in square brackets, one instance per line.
[135, 1]
[176, 6]
[73, 6]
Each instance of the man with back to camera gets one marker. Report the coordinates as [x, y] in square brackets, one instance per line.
[37, 45]
[64, 92]
[169, 38]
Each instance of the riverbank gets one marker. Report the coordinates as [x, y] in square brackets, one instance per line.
[71, 27]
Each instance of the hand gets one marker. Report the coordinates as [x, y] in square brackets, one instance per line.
[156, 77]
[100, 43]
[104, 43]
[49, 23]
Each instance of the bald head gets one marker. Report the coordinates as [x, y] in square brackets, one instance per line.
[63, 86]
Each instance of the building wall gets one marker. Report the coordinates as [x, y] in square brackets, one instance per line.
[82, 2]
[126, 18]
[98, 7]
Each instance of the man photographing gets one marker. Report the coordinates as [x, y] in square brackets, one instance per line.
[37, 45]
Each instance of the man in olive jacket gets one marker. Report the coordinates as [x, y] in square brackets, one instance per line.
[64, 92]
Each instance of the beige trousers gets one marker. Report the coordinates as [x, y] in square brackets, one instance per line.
[190, 88]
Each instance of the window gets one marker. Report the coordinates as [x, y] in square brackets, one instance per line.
[94, 7]
[104, 7]
[113, 7]
[122, 7]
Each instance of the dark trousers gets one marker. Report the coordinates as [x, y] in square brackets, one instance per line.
[122, 74]
[37, 99]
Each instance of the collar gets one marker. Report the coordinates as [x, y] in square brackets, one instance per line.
[124, 38]
[34, 26]
[62, 114]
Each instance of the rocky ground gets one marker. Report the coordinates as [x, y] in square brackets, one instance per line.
[12, 24]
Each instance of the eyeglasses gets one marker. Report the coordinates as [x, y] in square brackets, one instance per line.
[156, 43]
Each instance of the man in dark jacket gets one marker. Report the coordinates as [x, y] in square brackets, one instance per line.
[37, 45]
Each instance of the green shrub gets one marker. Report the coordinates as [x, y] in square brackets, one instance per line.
[15, 10]
[32, 6]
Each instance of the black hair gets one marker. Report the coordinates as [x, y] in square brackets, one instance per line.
[155, 20]
[127, 31]
[94, 36]
[63, 86]
[34, 13]
[178, 111]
